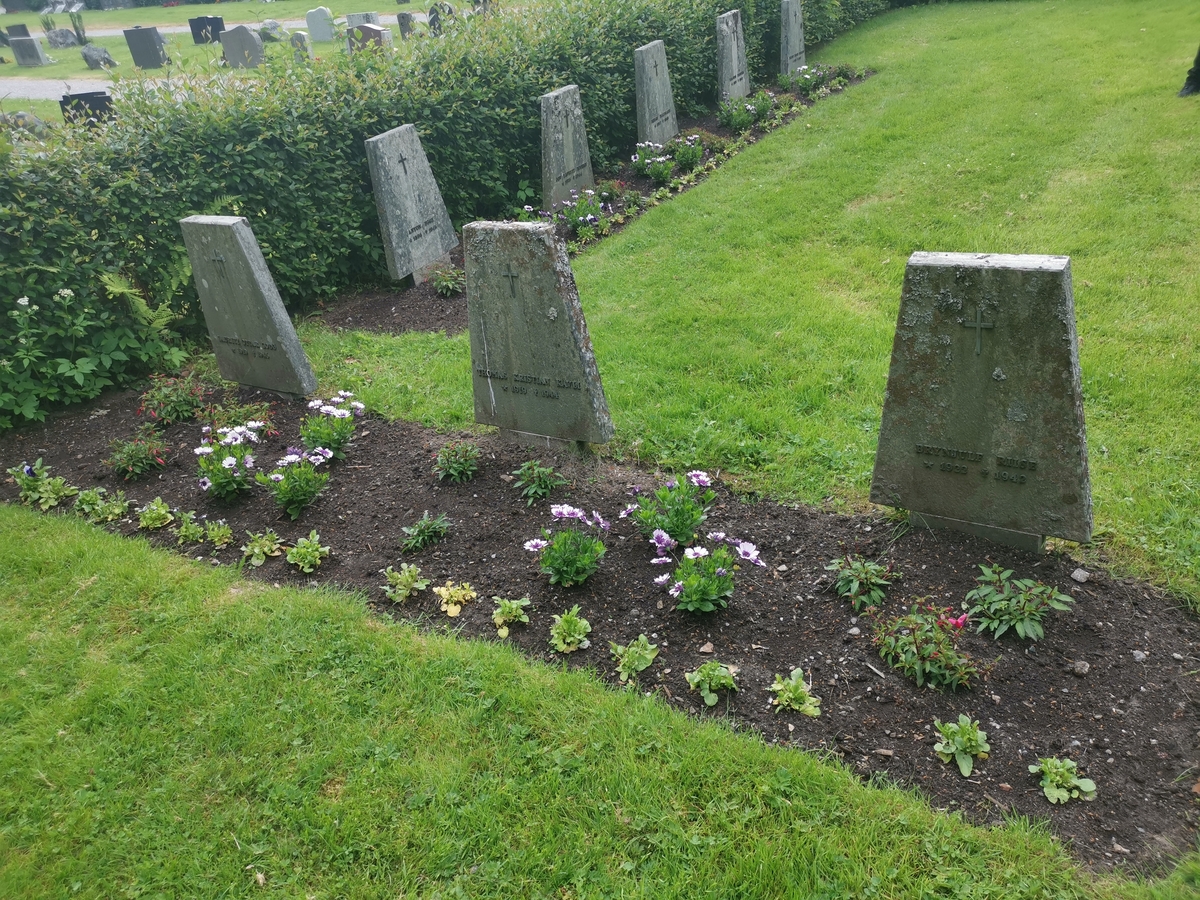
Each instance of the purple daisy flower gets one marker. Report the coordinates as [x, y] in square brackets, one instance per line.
[699, 479]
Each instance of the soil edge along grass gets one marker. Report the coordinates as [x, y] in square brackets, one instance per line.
[170, 729]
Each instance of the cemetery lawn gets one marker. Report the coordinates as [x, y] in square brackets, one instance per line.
[747, 324]
[172, 729]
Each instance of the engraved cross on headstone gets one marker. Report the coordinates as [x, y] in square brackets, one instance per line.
[512, 279]
[219, 263]
[403, 160]
[656, 68]
[978, 325]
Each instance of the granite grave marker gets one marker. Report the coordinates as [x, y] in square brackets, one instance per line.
[366, 18]
[243, 47]
[405, 21]
[532, 365]
[983, 418]
[206, 29]
[251, 333]
[301, 49]
[652, 86]
[566, 163]
[360, 37]
[147, 47]
[733, 77]
[28, 52]
[320, 24]
[416, 228]
[97, 57]
[18, 30]
[791, 43]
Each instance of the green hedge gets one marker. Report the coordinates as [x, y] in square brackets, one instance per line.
[285, 150]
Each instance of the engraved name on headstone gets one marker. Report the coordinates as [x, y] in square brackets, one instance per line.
[655, 104]
[28, 52]
[791, 43]
[251, 334]
[733, 77]
[983, 419]
[566, 163]
[532, 365]
[243, 47]
[416, 228]
[320, 24]
[147, 47]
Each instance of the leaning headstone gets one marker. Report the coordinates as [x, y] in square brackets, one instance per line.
[320, 24]
[243, 48]
[301, 49]
[367, 18]
[566, 163]
[656, 120]
[272, 32]
[532, 365]
[733, 78]
[207, 29]
[146, 47]
[405, 21]
[416, 228]
[97, 57]
[28, 51]
[61, 38]
[251, 333]
[18, 31]
[360, 37]
[791, 43]
[982, 425]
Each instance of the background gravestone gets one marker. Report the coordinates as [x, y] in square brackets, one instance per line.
[791, 43]
[367, 18]
[18, 31]
[206, 29]
[320, 24]
[532, 365]
[251, 334]
[566, 163]
[301, 49]
[416, 228]
[97, 57]
[733, 78]
[61, 38]
[243, 47]
[360, 37]
[273, 32]
[652, 86]
[983, 418]
[28, 52]
[405, 21]
[146, 47]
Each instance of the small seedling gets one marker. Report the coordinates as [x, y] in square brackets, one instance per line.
[454, 597]
[793, 693]
[1061, 781]
[93, 506]
[710, 678]
[218, 534]
[189, 531]
[447, 280]
[155, 514]
[403, 584]
[38, 488]
[260, 546]
[308, 553]
[569, 631]
[508, 612]
[423, 532]
[634, 657]
[961, 742]
[860, 581]
[1003, 602]
[458, 461]
[144, 452]
[536, 481]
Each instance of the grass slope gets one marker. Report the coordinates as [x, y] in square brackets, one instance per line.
[747, 325]
[171, 731]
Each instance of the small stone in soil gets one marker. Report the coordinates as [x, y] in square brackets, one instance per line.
[707, 648]
[1139, 656]
[855, 631]
[1080, 575]
[1080, 668]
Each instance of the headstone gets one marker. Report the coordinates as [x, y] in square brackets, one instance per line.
[405, 21]
[656, 120]
[243, 48]
[207, 29]
[97, 57]
[532, 365]
[733, 78]
[251, 333]
[301, 49]
[61, 38]
[18, 30]
[367, 18]
[76, 7]
[89, 107]
[320, 24]
[566, 163]
[146, 47]
[434, 21]
[791, 42]
[28, 51]
[360, 37]
[1191, 84]
[983, 419]
[272, 32]
[416, 228]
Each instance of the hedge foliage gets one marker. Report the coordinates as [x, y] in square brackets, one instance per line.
[285, 149]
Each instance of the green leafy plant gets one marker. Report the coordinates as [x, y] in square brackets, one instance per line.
[923, 644]
[679, 507]
[447, 280]
[295, 481]
[687, 152]
[96, 507]
[1002, 602]
[568, 556]
[536, 481]
[218, 533]
[860, 581]
[259, 546]
[403, 584]
[458, 461]
[454, 597]
[569, 631]
[155, 514]
[1061, 781]
[308, 553]
[143, 453]
[508, 612]
[961, 742]
[703, 581]
[38, 488]
[584, 214]
[818, 80]
[794, 693]
[331, 425]
[424, 532]
[169, 400]
[634, 657]
[709, 678]
[232, 412]
[225, 459]
[189, 531]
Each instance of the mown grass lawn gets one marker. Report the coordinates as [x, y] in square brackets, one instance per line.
[747, 325]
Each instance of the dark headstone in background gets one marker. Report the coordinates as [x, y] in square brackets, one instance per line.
[1192, 84]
